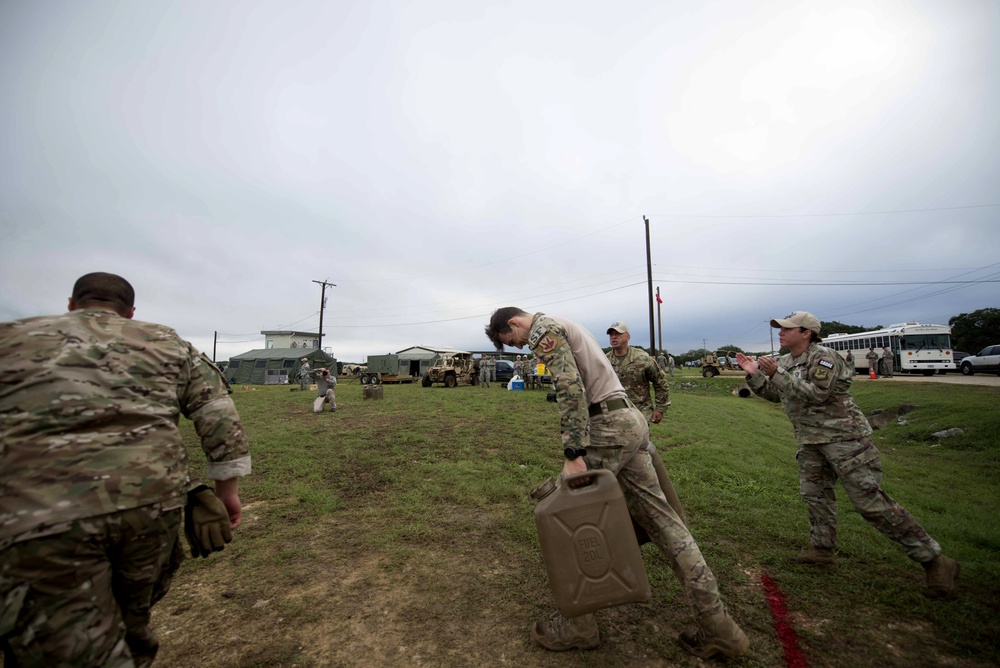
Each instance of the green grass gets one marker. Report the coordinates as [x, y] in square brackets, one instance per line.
[431, 487]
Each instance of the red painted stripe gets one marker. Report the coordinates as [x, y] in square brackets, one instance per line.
[794, 657]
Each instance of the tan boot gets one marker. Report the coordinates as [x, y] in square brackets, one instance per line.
[820, 556]
[942, 572]
[558, 633]
[716, 634]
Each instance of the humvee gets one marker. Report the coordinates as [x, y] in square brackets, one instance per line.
[451, 369]
[715, 363]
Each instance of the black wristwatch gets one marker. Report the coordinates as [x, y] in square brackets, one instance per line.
[572, 453]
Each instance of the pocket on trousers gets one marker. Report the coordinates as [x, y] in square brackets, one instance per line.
[13, 601]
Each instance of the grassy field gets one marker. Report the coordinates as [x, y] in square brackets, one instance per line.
[400, 532]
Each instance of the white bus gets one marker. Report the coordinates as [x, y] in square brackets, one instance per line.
[916, 348]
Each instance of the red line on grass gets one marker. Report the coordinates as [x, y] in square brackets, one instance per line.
[794, 657]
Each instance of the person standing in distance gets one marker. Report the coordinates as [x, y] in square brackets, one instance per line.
[887, 362]
[849, 360]
[812, 383]
[872, 358]
[661, 361]
[305, 374]
[670, 364]
[601, 428]
[94, 476]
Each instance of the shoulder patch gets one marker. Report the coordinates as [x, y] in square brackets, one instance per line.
[549, 343]
[827, 363]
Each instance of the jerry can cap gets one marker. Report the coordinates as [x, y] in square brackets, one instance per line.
[543, 490]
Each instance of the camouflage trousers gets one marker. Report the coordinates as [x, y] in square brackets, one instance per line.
[328, 397]
[859, 467]
[83, 597]
[619, 442]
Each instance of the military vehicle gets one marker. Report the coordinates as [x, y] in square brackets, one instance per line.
[715, 363]
[451, 369]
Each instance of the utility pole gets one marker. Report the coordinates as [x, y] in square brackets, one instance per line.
[649, 280]
[322, 305]
[215, 341]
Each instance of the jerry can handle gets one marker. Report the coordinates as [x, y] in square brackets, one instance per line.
[588, 479]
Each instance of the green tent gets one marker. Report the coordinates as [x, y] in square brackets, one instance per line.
[274, 366]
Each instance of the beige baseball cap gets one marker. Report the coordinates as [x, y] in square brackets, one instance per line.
[798, 319]
[619, 327]
[304, 359]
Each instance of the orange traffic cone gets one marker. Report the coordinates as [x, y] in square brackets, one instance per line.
[871, 373]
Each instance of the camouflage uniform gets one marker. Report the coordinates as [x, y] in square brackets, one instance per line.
[849, 360]
[872, 358]
[92, 464]
[484, 373]
[661, 361]
[618, 440]
[835, 442]
[637, 370]
[670, 364]
[324, 391]
[887, 362]
[305, 375]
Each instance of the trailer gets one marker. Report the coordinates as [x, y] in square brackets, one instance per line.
[390, 369]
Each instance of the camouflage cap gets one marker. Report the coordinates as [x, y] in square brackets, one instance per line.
[798, 319]
[619, 327]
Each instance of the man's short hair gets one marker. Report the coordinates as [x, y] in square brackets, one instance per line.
[499, 324]
[100, 288]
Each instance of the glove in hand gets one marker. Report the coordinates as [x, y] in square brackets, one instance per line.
[206, 522]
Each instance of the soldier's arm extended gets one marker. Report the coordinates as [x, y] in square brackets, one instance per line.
[810, 383]
[552, 348]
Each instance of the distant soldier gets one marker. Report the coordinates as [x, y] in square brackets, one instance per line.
[887, 362]
[519, 366]
[637, 371]
[661, 361]
[850, 361]
[325, 382]
[872, 358]
[670, 364]
[492, 366]
[812, 383]
[484, 371]
[305, 374]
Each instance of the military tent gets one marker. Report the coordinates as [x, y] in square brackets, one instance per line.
[274, 366]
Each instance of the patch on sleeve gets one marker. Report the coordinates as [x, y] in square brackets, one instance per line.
[820, 373]
[827, 363]
[549, 343]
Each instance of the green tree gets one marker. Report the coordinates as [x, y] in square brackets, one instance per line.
[974, 331]
[834, 327]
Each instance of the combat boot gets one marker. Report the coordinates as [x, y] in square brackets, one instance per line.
[942, 572]
[558, 633]
[820, 556]
[716, 634]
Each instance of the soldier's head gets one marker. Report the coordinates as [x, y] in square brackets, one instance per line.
[103, 291]
[798, 330]
[620, 336]
[504, 328]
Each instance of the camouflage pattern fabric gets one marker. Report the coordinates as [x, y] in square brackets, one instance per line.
[548, 342]
[661, 361]
[637, 370]
[89, 407]
[619, 442]
[858, 466]
[834, 440]
[813, 388]
[872, 358]
[484, 374]
[887, 362]
[305, 375]
[80, 611]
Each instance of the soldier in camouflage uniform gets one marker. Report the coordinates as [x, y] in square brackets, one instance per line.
[601, 428]
[326, 381]
[812, 383]
[637, 371]
[305, 374]
[94, 475]
[484, 372]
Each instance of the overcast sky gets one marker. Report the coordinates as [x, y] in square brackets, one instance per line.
[439, 159]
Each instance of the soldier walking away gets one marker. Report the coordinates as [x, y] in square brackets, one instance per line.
[94, 478]
[601, 428]
[812, 382]
[670, 364]
[849, 360]
[887, 362]
[661, 361]
[305, 374]
[325, 382]
[872, 358]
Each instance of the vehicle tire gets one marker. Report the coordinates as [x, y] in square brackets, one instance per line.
[449, 380]
[929, 372]
[967, 369]
[708, 372]
[374, 378]
[364, 379]
[426, 380]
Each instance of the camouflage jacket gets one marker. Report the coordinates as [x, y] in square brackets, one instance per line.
[581, 373]
[89, 410]
[814, 390]
[637, 370]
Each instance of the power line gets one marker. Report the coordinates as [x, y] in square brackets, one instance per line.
[826, 215]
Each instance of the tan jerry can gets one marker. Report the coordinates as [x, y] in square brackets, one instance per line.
[588, 545]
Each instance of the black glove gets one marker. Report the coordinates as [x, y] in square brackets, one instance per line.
[206, 522]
